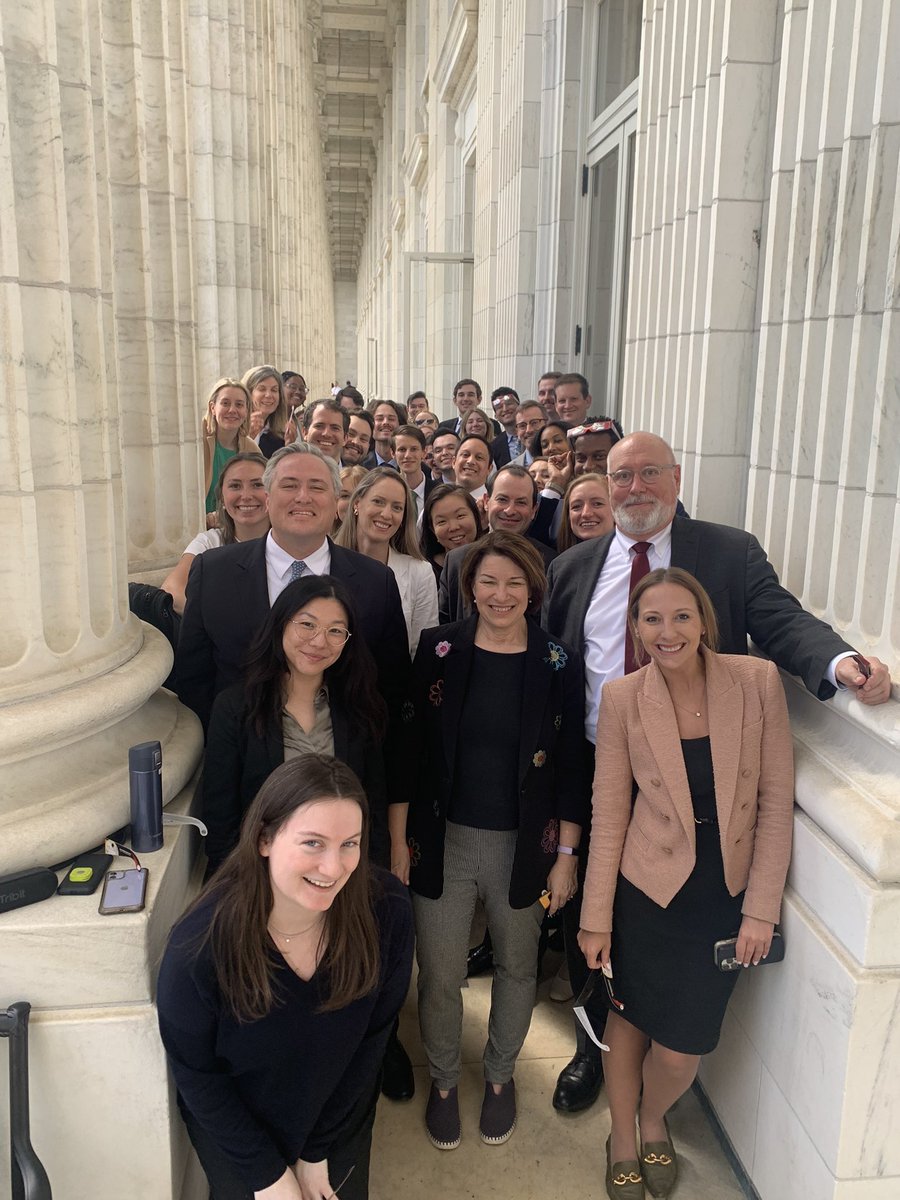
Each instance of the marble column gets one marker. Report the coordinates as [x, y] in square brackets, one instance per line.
[762, 341]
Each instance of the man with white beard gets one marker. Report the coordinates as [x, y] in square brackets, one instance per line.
[586, 605]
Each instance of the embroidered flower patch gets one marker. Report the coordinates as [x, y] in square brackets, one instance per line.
[407, 712]
[557, 722]
[442, 649]
[550, 836]
[540, 758]
[558, 657]
[415, 852]
[436, 693]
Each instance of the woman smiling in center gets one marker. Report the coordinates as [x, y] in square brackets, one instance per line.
[497, 815]
[381, 523]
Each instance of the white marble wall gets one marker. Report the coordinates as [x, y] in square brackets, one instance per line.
[759, 341]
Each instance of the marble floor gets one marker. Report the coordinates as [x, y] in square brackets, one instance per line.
[549, 1156]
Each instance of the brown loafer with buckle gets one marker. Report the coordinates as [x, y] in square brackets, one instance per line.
[623, 1179]
[659, 1166]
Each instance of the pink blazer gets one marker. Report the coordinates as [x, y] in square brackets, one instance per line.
[653, 842]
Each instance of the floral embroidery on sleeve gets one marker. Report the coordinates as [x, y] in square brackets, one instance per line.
[436, 693]
[557, 657]
[550, 836]
[415, 852]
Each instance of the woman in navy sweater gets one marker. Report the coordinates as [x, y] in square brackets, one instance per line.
[278, 991]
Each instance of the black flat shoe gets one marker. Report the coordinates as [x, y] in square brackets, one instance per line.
[479, 960]
[397, 1082]
[579, 1083]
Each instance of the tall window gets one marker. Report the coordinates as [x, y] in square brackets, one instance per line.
[604, 236]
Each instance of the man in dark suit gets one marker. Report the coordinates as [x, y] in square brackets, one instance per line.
[512, 502]
[586, 606]
[230, 589]
[506, 445]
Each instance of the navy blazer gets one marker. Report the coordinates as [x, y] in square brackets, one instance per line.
[238, 762]
[741, 582]
[228, 601]
[553, 782]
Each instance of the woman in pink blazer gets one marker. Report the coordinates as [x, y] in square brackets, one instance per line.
[693, 799]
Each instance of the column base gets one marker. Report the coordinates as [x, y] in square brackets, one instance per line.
[65, 757]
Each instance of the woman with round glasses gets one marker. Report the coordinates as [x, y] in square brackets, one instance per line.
[309, 689]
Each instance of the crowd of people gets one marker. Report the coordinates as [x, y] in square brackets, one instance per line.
[441, 663]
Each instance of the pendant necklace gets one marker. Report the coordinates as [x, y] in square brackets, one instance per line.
[288, 936]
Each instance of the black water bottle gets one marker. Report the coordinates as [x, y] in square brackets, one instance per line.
[145, 785]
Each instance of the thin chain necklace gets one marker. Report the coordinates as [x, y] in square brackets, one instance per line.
[692, 711]
[288, 936]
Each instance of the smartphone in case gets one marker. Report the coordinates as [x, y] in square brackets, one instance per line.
[84, 875]
[124, 891]
[724, 953]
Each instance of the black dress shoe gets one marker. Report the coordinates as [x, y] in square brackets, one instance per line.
[397, 1082]
[579, 1083]
[479, 960]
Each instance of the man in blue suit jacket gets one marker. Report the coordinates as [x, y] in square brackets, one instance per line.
[230, 589]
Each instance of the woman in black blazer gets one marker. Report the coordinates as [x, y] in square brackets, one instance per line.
[309, 688]
[498, 720]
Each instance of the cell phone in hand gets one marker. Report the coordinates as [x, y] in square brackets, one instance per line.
[864, 666]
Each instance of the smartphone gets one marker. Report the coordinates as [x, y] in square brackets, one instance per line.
[124, 891]
[865, 667]
[84, 875]
[724, 953]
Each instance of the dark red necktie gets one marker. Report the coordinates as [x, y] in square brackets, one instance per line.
[640, 566]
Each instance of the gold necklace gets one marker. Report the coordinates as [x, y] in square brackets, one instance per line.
[692, 711]
[288, 936]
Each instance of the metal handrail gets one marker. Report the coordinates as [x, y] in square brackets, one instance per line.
[29, 1179]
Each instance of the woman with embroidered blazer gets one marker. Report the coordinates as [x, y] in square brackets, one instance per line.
[309, 688]
[497, 712]
[690, 845]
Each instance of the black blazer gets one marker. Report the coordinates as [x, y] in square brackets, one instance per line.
[228, 600]
[450, 599]
[500, 450]
[238, 762]
[553, 782]
[742, 584]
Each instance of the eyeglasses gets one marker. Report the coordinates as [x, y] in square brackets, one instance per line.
[307, 630]
[498, 400]
[425, 421]
[648, 474]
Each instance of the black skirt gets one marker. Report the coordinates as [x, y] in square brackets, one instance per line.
[662, 958]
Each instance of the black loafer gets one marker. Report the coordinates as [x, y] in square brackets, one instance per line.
[579, 1083]
[397, 1082]
[479, 960]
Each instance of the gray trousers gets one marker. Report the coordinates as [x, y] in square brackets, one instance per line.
[477, 865]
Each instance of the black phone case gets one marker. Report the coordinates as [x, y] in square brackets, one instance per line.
[99, 864]
[724, 953]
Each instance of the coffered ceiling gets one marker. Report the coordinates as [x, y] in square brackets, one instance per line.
[352, 79]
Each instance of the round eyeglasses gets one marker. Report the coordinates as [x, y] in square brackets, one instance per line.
[306, 630]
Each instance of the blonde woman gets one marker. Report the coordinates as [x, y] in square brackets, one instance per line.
[270, 413]
[225, 428]
[585, 511]
[381, 523]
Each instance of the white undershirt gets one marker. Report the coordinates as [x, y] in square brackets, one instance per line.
[604, 621]
[279, 563]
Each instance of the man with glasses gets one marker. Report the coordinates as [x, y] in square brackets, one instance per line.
[588, 590]
[506, 445]
[531, 417]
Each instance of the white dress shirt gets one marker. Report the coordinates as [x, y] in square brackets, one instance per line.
[604, 621]
[279, 563]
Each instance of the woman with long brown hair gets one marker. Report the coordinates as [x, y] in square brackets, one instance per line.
[278, 991]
